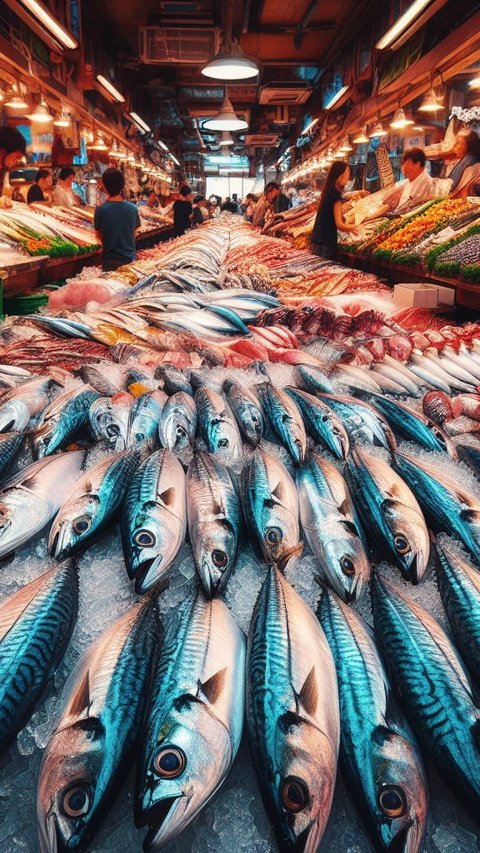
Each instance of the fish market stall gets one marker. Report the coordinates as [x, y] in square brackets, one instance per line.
[195, 454]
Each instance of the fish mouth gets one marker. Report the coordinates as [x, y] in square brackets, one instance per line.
[401, 842]
[307, 842]
[147, 574]
[156, 818]
[50, 840]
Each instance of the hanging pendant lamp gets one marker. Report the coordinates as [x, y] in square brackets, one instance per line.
[226, 139]
[377, 130]
[362, 138]
[230, 63]
[430, 103]
[227, 118]
[41, 113]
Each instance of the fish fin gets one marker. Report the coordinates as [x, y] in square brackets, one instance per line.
[88, 487]
[279, 491]
[380, 734]
[212, 688]
[93, 726]
[308, 696]
[168, 496]
[81, 703]
[218, 508]
[469, 515]
[350, 526]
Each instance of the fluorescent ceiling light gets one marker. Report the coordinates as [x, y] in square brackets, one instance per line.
[402, 24]
[50, 23]
[162, 145]
[227, 119]
[174, 159]
[336, 97]
[309, 127]
[140, 122]
[110, 88]
[41, 113]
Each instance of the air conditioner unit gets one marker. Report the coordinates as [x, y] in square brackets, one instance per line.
[285, 93]
[261, 140]
[166, 45]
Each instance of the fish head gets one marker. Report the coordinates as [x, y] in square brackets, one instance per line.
[409, 537]
[74, 524]
[215, 554]
[346, 557]
[70, 786]
[14, 415]
[224, 439]
[280, 534]
[302, 783]
[191, 753]
[153, 543]
[22, 514]
[397, 796]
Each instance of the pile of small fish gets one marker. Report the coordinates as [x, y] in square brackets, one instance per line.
[357, 463]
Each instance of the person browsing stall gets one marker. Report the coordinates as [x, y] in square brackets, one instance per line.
[329, 220]
[116, 222]
[182, 211]
[265, 204]
[12, 152]
[41, 191]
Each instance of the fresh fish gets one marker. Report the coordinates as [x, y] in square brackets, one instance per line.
[405, 385]
[19, 406]
[388, 383]
[471, 456]
[459, 585]
[109, 419]
[402, 371]
[327, 351]
[321, 423]
[356, 378]
[462, 360]
[425, 370]
[194, 720]
[361, 421]
[93, 746]
[460, 376]
[36, 623]
[247, 410]
[414, 425]
[144, 420]
[10, 445]
[173, 379]
[154, 519]
[312, 379]
[379, 755]
[31, 497]
[178, 422]
[62, 420]
[331, 527]
[270, 503]
[447, 504]
[216, 424]
[285, 420]
[107, 382]
[390, 513]
[292, 714]
[435, 692]
[214, 511]
[91, 503]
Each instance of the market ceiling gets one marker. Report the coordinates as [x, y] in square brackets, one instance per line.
[292, 41]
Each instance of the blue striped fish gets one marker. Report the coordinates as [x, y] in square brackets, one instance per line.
[62, 419]
[459, 585]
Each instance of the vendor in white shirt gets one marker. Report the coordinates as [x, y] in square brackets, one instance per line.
[63, 194]
[418, 187]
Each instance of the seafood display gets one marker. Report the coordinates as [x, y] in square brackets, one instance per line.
[273, 504]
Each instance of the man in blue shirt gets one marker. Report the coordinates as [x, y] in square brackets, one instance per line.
[116, 222]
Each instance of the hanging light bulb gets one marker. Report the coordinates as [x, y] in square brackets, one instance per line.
[377, 130]
[16, 101]
[345, 146]
[430, 103]
[362, 138]
[62, 120]
[122, 154]
[114, 150]
[131, 158]
[226, 139]
[230, 63]
[41, 113]
[226, 119]
[98, 143]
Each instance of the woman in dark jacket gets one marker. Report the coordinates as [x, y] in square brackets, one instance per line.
[329, 218]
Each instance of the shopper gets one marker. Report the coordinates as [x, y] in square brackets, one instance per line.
[467, 154]
[329, 220]
[41, 191]
[12, 152]
[182, 211]
[248, 206]
[63, 194]
[116, 222]
[236, 202]
[282, 203]
[200, 211]
[264, 207]
[229, 207]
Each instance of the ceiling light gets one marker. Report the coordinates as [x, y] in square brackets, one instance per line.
[430, 103]
[419, 128]
[362, 138]
[41, 113]
[227, 119]
[174, 159]
[122, 154]
[345, 146]
[403, 23]
[110, 88]
[309, 127]
[16, 101]
[377, 130]
[475, 83]
[230, 63]
[140, 122]
[226, 139]
[98, 143]
[401, 120]
[131, 158]
[50, 23]
[114, 150]
[62, 120]
[162, 145]
[336, 97]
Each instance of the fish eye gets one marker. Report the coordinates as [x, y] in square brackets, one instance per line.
[347, 566]
[145, 539]
[392, 801]
[170, 762]
[295, 795]
[273, 535]
[76, 801]
[82, 524]
[401, 544]
[223, 442]
[219, 558]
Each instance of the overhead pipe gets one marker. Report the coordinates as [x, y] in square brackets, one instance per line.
[299, 31]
